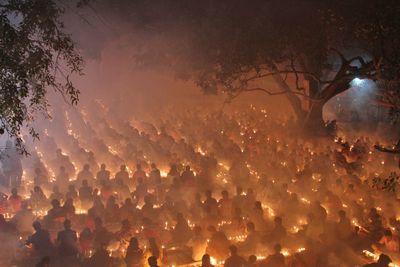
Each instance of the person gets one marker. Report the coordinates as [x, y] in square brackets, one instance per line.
[155, 175]
[275, 260]
[23, 219]
[44, 262]
[225, 205]
[279, 231]
[40, 240]
[56, 214]
[198, 243]
[103, 175]
[72, 192]
[389, 242]
[182, 231]
[10, 160]
[206, 261]
[134, 255]
[38, 199]
[40, 177]
[210, 203]
[122, 175]
[6, 227]
[100, 258]
[234, 260]
[173, 171]
[56, 194]
[252, 261]
[62, 179]
[153, 248]
[239, 199]
[343, 227]
[15, 200]
[101, 235]
[63, 160]
[85, 174]
[3, 203]
[69, 208]
[86, 241]
[141, 189]
[250, 244]
[67, 242]
[152, 260]
[139, 173]
[383, 261]
[85, 193]
[187, 176]
[218, 246]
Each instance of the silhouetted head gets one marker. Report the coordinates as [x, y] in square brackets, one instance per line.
[384, 260]
[152, 261]
[67, 224]
[206, 260]
[252, 259]
[55, 203]
[277, 248]
[133, 243]
[233, 250]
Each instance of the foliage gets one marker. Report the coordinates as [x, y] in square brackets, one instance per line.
[234, 46]
[35, 55]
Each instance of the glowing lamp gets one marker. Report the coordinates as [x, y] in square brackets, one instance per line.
[357, 82]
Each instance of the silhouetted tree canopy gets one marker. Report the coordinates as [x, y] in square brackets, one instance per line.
[35, 55]
[234, 45]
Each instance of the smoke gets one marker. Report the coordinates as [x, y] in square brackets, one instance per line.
[113, 75]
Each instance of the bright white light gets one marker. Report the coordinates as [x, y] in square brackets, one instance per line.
[357, 82]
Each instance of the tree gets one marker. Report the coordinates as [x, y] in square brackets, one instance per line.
[311, 50]
[35, 55]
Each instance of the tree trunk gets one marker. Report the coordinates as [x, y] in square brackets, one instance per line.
[314, 122]
[292, 98]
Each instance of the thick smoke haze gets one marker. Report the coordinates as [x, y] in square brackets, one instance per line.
[112, 75]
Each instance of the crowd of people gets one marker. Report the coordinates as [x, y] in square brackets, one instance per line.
[216, 189]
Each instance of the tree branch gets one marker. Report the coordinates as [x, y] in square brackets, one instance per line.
[341, 56]
[260, 89]
[295, 74]
[312, 75]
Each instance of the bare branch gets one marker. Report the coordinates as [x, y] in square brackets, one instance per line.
[359, 59]
[312, 75]
[260, 89]
[342, 58]
[295, 74]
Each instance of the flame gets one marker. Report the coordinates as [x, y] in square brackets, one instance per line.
[213, 261]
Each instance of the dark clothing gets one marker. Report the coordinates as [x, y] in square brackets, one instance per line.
[41, 242]
[85, 193]
[67, 243]
[100, 259]
[235, 261]
[103, 175]
[134, 258]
